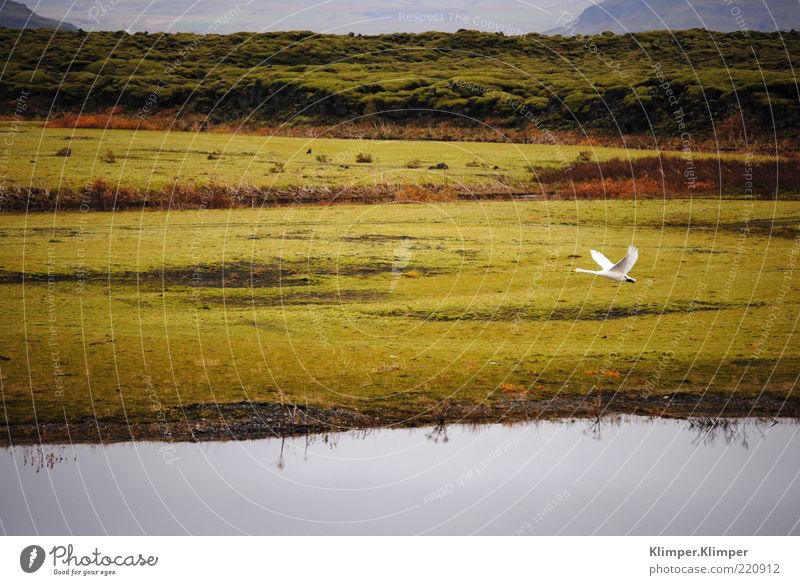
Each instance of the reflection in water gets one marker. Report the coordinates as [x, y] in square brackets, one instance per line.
[710, 428]
[595, 428]
[610, 475]
[43, 457]
[438, 433]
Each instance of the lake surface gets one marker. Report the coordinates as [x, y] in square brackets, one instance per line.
[627, 476]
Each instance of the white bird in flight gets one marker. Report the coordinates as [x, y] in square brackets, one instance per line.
[617, 272]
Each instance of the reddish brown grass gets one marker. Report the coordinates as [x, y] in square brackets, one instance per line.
[674, 176]
[425, 193]
[604, 373]
[513, 389]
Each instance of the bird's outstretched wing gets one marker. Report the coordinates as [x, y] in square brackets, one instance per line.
[626, 264]
[604, 262]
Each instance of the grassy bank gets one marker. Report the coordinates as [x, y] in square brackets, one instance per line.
[56, 169]
[392, 308]
[154, 159]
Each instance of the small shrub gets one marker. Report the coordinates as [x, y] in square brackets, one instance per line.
[513, 389]
[363, 157]
[66, 151]
[414, 164]
[585, 156]
[109, 157]
[277, 168]
[474, 164]
[323, 158]
[216, 155]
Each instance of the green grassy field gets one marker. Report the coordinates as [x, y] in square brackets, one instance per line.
[153, 159]
[124, 316]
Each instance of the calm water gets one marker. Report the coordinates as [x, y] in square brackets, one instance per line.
[630, 476]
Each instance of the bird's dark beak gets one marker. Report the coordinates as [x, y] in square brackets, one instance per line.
[629, 279]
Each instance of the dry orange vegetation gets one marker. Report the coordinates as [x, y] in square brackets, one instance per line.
[604, 373]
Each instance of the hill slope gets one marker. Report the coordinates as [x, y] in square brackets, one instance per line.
[16, 15]
[621, 16]
[299, 78]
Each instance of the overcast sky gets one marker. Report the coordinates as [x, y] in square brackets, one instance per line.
[336, 16]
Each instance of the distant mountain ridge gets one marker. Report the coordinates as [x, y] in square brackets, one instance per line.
[623, 16]
[16, 15]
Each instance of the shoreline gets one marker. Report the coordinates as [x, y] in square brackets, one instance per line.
[252, 421]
